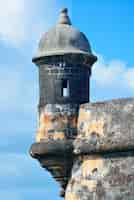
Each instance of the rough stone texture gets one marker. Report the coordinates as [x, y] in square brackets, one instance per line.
[54, 71]
[98, 164]
[57, 122]
[102, 177]
[103, 166]
[64, 59]
[101, 156]
[105, 126]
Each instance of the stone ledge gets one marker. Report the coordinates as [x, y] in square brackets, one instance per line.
[51, 148]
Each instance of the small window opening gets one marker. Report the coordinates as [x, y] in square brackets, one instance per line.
[60, 64]
[65, 88]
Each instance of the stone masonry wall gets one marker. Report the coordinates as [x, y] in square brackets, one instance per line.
[103, 166]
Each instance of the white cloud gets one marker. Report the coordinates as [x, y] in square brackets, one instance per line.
[17, 92]
[22, 20]
[114, 74]
[129, 77]
[13, 20]
[18, 104]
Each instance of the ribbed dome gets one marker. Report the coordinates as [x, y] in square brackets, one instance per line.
[63, 39]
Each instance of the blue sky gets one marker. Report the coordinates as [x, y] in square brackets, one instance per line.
[109, 27]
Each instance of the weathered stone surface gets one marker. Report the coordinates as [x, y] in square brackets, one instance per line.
[65, 60]
[57, 122]
[101, 156]
[102, 177]
[103, 166]
[64, 39]
[99, 162]
[51, 148]
[105, 127]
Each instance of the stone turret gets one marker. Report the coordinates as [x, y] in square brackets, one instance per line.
[64, 59]
[88, 148]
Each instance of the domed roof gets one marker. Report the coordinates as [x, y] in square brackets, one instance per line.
[63, 39]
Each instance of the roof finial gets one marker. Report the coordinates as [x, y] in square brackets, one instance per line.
[64, 18]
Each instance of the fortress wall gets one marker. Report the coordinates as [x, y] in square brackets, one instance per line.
[103, 166]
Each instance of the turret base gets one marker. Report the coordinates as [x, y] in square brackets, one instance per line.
[57, 158]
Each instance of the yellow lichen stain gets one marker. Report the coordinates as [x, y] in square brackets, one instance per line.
[90, 165]
[59, 136]
[95, 127]
[45, 124]
[41, 133]
[71, 196]
[90, 184]
[83, 115]
[48, 122]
